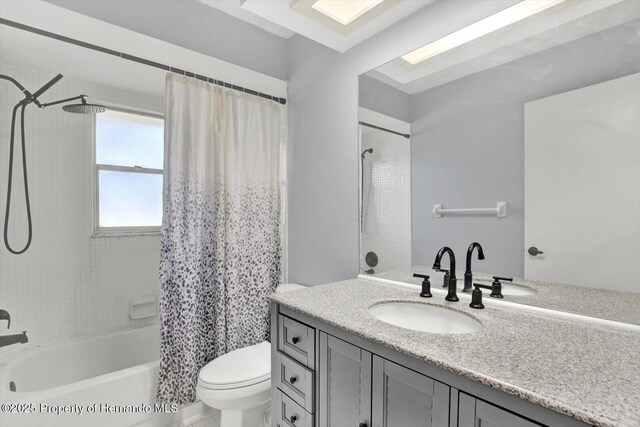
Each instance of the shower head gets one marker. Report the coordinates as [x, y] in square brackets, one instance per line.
[368, 150]
[84, 108]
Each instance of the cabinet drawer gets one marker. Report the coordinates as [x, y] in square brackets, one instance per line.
[295, 381]
[297, 340]
[290, 414]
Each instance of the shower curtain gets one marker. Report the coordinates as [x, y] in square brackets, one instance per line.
[221, 228]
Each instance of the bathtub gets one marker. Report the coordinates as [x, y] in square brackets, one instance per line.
[108, 380]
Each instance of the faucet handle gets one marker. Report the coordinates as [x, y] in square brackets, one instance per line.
[4, 315]
[476, 296]
[426, 285]
[445, 279]
[496, 286]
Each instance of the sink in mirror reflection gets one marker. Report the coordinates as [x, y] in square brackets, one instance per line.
[507, 289]
[425, 318]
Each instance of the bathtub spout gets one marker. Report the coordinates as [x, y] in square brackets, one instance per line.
[14, 339]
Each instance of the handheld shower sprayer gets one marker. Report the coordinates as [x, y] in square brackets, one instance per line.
[30, 98]
[43, 89]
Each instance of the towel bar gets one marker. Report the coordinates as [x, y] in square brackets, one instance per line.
[500, 210]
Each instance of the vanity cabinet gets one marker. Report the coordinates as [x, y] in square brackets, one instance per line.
[404, 398]
[326, 377]
[344, 372]
[293, 376]
[359, 389]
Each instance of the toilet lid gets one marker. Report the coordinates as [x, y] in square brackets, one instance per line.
[239, 368]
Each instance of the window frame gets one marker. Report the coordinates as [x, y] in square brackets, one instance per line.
[99, 231]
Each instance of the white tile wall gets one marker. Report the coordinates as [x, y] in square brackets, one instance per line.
[387, 220]
[69, 283]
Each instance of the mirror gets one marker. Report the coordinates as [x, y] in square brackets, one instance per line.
[524, 137]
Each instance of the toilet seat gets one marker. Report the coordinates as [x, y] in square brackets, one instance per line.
[240, 368]
[239, 384]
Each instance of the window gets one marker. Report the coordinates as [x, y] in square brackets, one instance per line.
[129, 156]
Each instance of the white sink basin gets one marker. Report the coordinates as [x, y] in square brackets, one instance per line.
[425, 318]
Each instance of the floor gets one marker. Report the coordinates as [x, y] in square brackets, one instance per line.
[210, 418]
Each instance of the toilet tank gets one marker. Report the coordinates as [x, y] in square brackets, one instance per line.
[288, 287]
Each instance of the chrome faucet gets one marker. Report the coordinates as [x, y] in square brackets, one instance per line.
[468, 275]
[11, 339]
[451, 295]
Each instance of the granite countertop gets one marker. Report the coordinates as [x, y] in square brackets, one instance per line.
[586, 371]
[602, 303]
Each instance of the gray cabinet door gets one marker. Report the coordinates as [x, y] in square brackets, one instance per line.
[405, 398]
[477, 413]
[344, 376]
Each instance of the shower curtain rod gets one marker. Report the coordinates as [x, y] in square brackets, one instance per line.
[139, 60]
[369, 125]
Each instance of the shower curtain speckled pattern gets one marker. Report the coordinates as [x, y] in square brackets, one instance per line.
[221, 228]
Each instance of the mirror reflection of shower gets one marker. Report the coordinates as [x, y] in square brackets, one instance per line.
[371, 255]
[385, 193]
[362, 179]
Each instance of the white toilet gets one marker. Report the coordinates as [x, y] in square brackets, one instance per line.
[239, 383]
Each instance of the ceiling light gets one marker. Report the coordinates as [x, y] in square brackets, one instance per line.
[345, 12]
[499, 20]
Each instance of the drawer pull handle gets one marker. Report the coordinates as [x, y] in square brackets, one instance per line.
[293, 380]
[295, 340]
[293, 419]
[362, 425]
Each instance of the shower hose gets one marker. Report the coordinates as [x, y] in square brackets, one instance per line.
[22, 107]
[29, 98]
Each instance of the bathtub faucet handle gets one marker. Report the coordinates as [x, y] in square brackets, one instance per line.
[4, 315]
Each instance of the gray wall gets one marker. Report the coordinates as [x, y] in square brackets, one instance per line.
[193, 25]
[384, 99]
[323, 135]
[468, 143]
